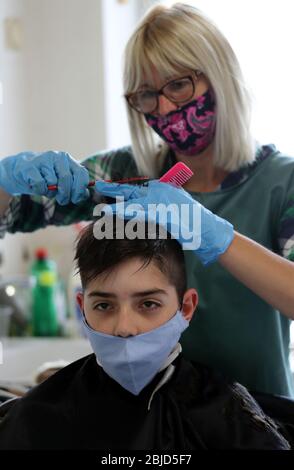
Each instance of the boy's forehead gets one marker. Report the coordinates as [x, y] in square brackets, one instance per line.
[135, 274]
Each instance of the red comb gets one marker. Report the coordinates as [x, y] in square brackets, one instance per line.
[178, 175]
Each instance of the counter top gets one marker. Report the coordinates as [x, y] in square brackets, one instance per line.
[21, 357]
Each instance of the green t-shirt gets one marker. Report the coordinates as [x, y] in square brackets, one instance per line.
[233, 330]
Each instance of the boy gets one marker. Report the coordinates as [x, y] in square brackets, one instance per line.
[136, 391]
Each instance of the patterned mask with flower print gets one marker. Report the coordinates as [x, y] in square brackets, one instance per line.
[190, 129]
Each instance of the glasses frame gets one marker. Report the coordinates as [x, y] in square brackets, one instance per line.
[193, 77]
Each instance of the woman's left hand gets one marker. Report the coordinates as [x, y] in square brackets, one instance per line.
[195, 227]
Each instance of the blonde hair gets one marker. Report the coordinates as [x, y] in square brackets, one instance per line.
[177, 38]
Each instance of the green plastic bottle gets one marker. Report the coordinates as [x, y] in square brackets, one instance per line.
[44, 308]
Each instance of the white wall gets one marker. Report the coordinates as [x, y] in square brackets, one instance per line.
[118, 21]
[12, 113]
[64, 75]
[12, 119]
[62, 90]
[53, 84]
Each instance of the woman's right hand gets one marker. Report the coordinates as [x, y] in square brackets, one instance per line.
[32, 173]
[195, 227]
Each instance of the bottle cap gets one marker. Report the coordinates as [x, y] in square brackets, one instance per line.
[41, 253]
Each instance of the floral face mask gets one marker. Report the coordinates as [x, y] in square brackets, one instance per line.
[190, 129]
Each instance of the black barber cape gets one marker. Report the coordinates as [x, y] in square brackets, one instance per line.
[81, 407]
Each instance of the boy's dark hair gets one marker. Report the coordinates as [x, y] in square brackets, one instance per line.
[94, 257]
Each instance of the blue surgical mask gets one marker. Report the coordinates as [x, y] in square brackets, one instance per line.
[135, 360]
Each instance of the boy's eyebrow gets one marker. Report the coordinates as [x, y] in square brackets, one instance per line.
[144, 293]
[96, 293]
[149, 292]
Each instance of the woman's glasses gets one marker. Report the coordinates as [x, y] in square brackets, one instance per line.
[178, 91]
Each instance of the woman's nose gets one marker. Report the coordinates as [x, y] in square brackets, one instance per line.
[165, 106]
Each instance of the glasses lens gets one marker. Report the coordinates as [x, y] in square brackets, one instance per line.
[144, 101]
[179, 90]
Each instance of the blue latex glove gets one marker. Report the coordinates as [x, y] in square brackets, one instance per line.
[211, 234]
[31, 173]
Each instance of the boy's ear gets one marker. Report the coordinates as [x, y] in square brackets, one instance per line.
[190, 302]
[80, 300]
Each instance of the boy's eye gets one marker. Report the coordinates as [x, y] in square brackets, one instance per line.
[150, 304]
[102, 306]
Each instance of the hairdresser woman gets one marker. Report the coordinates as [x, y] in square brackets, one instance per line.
[183, 83]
